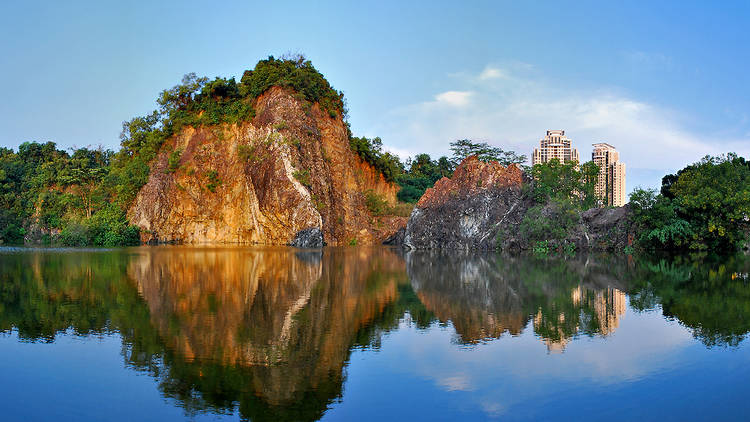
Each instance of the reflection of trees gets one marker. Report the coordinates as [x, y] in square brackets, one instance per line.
[710, 296]
[485, 296]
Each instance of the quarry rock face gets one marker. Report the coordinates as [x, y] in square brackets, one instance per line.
[462, 212]
[286, 177]
[483, 206]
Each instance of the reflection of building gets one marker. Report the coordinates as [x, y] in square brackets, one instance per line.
[554, 145]
[611, 185]
[607, 306]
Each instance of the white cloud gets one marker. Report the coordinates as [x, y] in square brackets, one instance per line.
[492, 73]
[458, 382]
[454, 98]
[514, 112]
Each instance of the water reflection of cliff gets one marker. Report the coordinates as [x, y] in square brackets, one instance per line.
[279, 321]
[485, 296]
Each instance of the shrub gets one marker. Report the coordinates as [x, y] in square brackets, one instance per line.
[549, 222]
[173, 162]
[74, 234]
[303, 176]
[375, 203]
[213, 180]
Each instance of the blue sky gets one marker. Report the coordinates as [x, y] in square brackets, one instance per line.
[665, 82]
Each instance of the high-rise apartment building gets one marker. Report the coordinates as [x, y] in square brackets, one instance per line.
[554, 145]
[610, 188]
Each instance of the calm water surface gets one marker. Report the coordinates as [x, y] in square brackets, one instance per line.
[177, 333]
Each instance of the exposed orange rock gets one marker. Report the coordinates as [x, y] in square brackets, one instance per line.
[471, 177]
[263, 181]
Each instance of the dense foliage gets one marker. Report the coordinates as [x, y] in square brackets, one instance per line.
[421, 173]
[371, 151]
[705, 206]
[560, 191]
[298, 74]
[571, 182]
[44, 191]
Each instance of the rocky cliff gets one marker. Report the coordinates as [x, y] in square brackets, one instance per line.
[483, 206]
[286, 177]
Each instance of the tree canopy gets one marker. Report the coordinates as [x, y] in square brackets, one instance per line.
[705, 206]
[463, 148]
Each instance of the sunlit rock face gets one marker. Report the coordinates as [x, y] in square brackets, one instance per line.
[285, 319]
[288, 170]
[485, 296]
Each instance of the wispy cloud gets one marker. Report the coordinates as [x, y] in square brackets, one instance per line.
[454, 98]
[492, 73]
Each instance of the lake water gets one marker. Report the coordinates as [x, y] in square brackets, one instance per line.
[274, 334]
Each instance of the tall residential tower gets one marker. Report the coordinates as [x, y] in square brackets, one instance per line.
[611, 185]
[554, 145]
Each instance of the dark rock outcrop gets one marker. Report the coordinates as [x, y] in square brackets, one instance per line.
[483, 205]
[397, 238]
[308, 238]
[464, 212]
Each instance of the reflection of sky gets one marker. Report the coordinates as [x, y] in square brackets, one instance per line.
[78, 378]
[650, 368]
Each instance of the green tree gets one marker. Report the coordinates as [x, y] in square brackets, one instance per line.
[714, 196]
[657, 222]
[558, 181]
[704, 206]
[86, 169]
[463, 148]
[421, 173]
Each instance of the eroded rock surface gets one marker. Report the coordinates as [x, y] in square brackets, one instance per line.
[288, 171]
[463, 212]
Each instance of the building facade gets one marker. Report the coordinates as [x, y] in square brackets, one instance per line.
[555, 145]
[610, 188]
